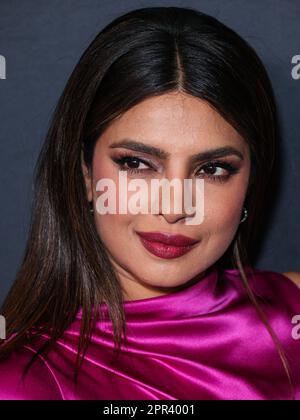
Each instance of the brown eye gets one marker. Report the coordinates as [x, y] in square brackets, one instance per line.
[132, 164]
[211, 169]
[224, 171]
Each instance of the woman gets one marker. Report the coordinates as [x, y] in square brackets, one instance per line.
[144, 305]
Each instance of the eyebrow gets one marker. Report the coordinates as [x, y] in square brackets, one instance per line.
[163, 155]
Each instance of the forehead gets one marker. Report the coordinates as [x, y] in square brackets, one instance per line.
[176, 122]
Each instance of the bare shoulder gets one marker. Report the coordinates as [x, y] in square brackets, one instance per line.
[294, 276]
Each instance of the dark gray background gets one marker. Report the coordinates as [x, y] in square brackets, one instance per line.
[43, 40]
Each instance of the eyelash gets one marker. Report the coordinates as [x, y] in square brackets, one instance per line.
[125, 158]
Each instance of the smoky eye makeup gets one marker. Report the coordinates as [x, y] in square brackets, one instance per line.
[134, 164]
[217, 170]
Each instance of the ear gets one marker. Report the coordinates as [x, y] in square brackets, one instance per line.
[87, 178]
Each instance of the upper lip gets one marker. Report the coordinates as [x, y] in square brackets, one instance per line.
[168, 238]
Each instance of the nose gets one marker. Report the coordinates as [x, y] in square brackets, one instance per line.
[172, 193]
[173, 218]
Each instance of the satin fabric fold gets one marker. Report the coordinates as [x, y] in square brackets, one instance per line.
[203, 342]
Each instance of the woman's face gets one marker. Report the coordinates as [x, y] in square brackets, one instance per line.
[179, 126]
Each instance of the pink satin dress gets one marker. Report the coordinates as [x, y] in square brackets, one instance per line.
[205, 342]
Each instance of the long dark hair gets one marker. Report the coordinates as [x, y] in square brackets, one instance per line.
[146, 52]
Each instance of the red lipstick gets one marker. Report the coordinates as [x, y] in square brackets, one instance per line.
[166, 245]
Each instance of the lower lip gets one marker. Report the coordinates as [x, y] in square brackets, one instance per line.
[165, 251]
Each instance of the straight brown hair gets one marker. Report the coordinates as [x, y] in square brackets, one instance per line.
[143, 53]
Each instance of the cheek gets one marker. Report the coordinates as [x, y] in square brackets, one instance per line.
[104, 170]
[223, 217]
[223, 206]
[110, 227]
